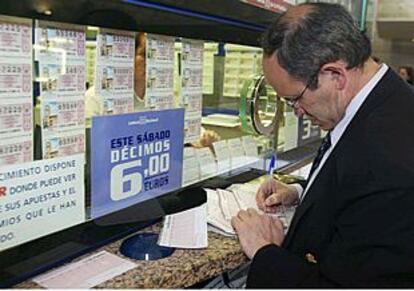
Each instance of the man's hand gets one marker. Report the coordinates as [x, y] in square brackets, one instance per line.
[257, 230]
[273, 193]
[207, 138]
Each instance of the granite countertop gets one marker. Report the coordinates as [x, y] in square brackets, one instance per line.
[184, 268]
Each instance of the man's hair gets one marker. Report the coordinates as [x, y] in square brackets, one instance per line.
[324, 33]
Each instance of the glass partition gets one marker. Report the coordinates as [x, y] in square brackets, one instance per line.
[120, 119]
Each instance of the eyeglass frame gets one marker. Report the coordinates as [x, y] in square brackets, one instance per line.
[291, 100]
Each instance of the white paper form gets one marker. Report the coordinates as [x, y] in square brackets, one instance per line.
[87, 272]
[215, 215]
[223, 156]
[222, 205]
[246, 194]
[186, 229]
[208, 165]
[238, 158]
[191, 167]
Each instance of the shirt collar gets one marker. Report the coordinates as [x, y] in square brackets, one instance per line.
[356, 103]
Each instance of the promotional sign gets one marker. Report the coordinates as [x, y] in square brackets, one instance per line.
[15, 37]
[114, 78]
[16, 150]
[117, 105]
[66, 40]
[16, 117]
[61, 80]
[62, 114]
[191, 97]
[159, 72]
[39, 198]
[63, 143]
[16, 97]
[115, 46]
[135, 157]
[15, 78]
[60, 54]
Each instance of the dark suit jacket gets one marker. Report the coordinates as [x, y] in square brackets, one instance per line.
[356, 223]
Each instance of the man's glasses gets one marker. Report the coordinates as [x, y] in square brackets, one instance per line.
[291, 100]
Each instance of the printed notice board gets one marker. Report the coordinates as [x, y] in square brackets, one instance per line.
[135, 157]
[39, 198]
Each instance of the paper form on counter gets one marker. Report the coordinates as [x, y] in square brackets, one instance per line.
[186, 229]
[222, 205]
[86, 273]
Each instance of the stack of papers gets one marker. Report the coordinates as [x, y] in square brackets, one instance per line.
[222, 205]
[186, 229]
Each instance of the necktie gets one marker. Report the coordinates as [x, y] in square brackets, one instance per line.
[325, 145]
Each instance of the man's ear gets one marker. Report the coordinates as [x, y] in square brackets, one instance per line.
[338, 73]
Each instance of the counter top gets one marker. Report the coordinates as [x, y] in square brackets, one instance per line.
[183, 268]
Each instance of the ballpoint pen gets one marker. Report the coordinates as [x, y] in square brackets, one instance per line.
[272, 167]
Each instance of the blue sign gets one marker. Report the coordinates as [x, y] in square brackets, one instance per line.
[135, 157]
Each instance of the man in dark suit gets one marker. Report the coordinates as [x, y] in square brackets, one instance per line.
[354, 224]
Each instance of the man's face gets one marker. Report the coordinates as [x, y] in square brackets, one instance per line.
[320, 105]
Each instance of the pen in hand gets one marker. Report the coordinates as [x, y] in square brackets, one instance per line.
[271, 168]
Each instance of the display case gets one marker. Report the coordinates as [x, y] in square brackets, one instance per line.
[115, 85]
